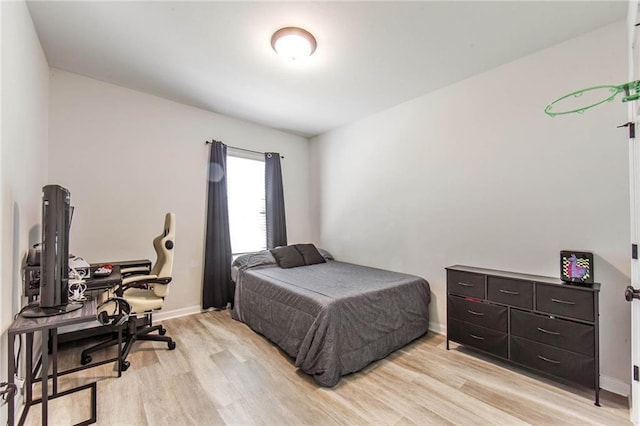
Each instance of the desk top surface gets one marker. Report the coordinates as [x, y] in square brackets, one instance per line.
[27, 325]
[85, 314]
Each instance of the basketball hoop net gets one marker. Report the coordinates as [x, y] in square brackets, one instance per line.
[592, 96]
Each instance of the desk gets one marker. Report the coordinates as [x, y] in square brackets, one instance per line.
[49, 326]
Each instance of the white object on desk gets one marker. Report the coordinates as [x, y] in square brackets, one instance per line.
[79, 267]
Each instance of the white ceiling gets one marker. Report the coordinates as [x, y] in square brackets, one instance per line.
[371, 55]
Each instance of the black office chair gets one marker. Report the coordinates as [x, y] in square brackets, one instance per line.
[144, 293]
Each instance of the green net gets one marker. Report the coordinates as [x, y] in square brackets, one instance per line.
[582, 100]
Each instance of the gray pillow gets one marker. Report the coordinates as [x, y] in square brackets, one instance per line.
[251, 260]
[288, 257]
[310, 254]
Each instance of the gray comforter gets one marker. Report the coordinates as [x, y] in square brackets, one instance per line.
[333, 318]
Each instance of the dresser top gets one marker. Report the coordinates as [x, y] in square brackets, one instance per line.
[526, 277]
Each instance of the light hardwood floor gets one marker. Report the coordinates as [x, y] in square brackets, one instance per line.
[224, 373]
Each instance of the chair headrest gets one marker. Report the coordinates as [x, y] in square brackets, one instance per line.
[170, 225]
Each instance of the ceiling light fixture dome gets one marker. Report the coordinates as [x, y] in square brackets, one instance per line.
[293, 43]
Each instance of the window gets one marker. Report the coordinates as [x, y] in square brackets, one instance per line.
[247, 209]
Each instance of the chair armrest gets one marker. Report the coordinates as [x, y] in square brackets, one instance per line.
[140, 281]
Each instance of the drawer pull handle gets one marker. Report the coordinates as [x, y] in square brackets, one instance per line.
[555, 333]
[466, 285]
[476, 337]
[509, 292]
[552, 361]
[480, 314]
[564, 302]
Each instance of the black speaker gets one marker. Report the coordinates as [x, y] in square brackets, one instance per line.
[54, 261]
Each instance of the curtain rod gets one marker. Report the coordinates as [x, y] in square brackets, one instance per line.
[235, 147]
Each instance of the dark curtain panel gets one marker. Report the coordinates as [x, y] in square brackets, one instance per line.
[217, 289]
[276, 221]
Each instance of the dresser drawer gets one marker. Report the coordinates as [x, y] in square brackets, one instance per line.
[482, 338]
[565, 301]
[483, 314]
[553, 331]
[510, 292]
[558, 362]
[465, 284]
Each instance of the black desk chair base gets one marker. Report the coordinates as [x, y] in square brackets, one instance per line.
[133, 334]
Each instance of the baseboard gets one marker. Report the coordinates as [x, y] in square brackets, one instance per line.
[615, 386]
[437, 327]
[175, 313]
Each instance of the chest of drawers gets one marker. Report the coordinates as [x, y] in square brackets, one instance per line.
[536, 322]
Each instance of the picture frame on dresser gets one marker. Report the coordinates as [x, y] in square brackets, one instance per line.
[540, 323]
[576, 266]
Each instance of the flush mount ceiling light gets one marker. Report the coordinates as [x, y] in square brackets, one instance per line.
[293, 43]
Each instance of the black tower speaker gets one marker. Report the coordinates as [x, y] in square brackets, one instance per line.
[54, 261]
[54, 273]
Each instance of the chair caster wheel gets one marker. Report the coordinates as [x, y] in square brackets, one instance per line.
[171, 345]
[124, 366]
[85, 359]
[162, 331]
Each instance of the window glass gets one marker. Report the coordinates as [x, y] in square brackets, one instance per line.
[247, 209]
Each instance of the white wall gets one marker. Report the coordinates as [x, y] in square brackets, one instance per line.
[127, 158]
[477, 174]
[23, 155]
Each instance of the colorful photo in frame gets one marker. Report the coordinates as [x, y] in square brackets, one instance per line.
[576, 266]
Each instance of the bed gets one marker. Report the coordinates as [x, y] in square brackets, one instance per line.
[333, 318]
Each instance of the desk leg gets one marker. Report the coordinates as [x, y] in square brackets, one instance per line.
[44, 373]
[120, 360]
[54, 360]
[11, 371]
[29, 370]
